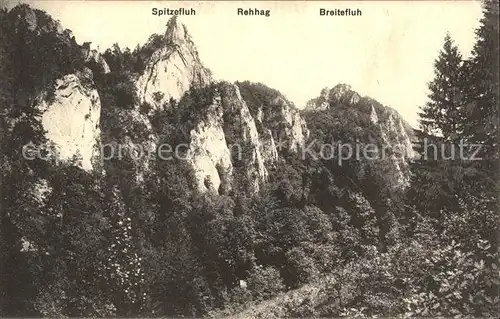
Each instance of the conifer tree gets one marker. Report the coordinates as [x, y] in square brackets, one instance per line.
[435, 177]
[483, 118]
[442, 113]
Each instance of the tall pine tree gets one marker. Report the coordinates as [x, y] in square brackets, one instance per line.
[434, 180]
[483, 116]
[442, 113]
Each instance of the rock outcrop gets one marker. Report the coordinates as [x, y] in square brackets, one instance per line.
[244, 140]
[92, 56]
[286, 117]
[209, 154]
[71, 118]
[231, 147]
[172, 68]
[382, 125]
[278, 121]
[341, 93]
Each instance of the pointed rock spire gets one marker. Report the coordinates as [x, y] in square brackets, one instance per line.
[176, 31]
[173, 68]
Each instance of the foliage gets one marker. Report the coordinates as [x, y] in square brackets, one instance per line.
[117, 90]
[443, 113]
[264, 283]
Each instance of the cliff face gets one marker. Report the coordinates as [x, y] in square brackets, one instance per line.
[243, 138]
[231, 147]
[286, 116]
[278, 121]
[209, 152]
[173, 68]
[71, 118]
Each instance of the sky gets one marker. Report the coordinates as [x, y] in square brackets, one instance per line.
[386, 53]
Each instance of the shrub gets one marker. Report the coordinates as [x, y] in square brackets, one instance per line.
[264, 283]
[300, 267]
[240, 296]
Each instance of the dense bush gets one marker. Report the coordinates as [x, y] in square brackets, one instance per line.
[264, 283]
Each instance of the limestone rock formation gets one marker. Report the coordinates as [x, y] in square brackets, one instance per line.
[295, 130]
[382, 125]
[278, 121]
[341, 93]
[243, 136]
[231, 147]
[208, 151]
[93, 56]
[173, 68]
[234, 140]
[71, 118]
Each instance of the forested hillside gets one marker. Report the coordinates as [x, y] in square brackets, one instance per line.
[278, 226]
